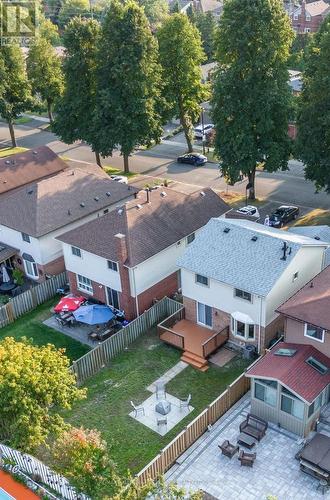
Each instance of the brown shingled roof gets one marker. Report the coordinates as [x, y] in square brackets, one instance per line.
[148, 227]
[49, 204]
[311, 304]
[294, 372]
[23, 168]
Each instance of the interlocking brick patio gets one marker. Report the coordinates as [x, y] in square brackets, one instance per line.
[275, 472]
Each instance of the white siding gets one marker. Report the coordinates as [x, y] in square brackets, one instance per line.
[91, 266]
[14, 238]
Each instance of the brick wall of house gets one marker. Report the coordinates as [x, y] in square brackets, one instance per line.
[190, 308]
[301, 24]
[56, 266]
[99, 292]
[163, 288]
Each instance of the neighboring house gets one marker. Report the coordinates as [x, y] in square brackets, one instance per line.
[208, 70]
[295, 81]
[236, 274]
[32, 216]
[32, 165]
[321, 233]
[308, 17]
[290, 385]
[213, 6]
[128, 257]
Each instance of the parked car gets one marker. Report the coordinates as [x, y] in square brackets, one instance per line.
[283, 215]
[119, 178]
[193, 159]
[249, 210]
[199, 130]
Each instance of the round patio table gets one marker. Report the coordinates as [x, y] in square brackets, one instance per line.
[7, 287]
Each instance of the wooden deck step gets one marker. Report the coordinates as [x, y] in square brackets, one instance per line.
[195, 361]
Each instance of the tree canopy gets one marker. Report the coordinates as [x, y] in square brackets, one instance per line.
[155, 10]
[181, 55]
[313, 138]
[34, 383]
[252, 99]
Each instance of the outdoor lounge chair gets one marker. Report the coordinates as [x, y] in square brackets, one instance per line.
[139, 410]
[228, 449]
[254, 426]
[247, 458]
[184, 403]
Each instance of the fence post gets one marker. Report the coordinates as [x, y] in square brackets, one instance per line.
[10, 312]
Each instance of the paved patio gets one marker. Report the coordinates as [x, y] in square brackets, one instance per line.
[77, 332]
[275, 472]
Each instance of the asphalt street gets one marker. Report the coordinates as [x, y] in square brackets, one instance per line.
[159, 161]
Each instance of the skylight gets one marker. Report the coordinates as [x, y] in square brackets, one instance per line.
[317, 365]
[284, 351]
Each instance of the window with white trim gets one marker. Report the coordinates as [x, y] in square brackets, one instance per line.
[245, 331]
[84, 284]
[202, 280]
[307, 30]
[308, 17]
[190, 238]
[31, 269]
[241, 294]
[112, 265]
[295, 16]
[76, 251]
[314, 332]
[266, 391]
[291, 404]
[26, 238]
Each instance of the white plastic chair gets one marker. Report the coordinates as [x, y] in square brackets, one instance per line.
[184, 403]
[137, 409]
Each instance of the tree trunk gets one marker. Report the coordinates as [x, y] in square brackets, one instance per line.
[98, 159]
[251, 177]
[12, 133]
[126, 165]
[49, 110]
[186, 125]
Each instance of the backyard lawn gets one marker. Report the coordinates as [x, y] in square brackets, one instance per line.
[30, 325]
[133, 445]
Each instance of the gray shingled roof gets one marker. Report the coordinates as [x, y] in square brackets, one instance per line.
[52, 203]
[148, 227]
[321, 233]
[233, 258]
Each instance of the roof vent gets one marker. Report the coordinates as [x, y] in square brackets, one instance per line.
[138, 206]
[285, 249]
[82, 204]
[120, 211]
[69, 212]
[202, 193]
[226, 230]
[311, 285]
[7, 162]
[96, 198]
[108, 193]
[30, 191]
[254, 238]
[163, 194]
[317, 238]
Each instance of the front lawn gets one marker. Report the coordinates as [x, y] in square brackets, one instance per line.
[11, 151]
[133, 445]
[30, 325]
[316, 217]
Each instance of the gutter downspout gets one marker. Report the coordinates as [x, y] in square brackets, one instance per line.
[260, 317]
[136, 297]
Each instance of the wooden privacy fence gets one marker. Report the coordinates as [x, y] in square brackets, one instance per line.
[30, 299]
[95, 360]
[167, 457]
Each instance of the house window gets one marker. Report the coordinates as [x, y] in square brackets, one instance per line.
[112, 265]
[84, 284]
[308, 17]
[242, 295]
[242, 330]
[31, 269]
[314, 332]
[204, 314]
[76, 251]
[26, 237]
[307, 30]
[113, 298]
[315, 405]
[295, 276]
[291, 404]
[203, 280]
[266, 391]
[190, 238]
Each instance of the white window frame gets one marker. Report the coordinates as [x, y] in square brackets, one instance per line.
[77, 250]
[33, 266]
[295, 16]
[307, 30]
[314, 338]
[268, 390]
[308, 17]
[84, 287]
[202, 276]
[110, 291]
[198, 317]
[246, 330]
[111, 264]
[295, 400]
[242, 298]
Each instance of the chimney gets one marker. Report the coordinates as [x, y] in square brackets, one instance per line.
[121, 247]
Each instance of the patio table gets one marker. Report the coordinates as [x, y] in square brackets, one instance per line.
[246, 440]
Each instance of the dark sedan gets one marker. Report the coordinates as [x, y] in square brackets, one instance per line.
[283, 215]
[193, 159]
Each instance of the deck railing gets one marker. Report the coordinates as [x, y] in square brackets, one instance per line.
[215, 341]
[166, 333]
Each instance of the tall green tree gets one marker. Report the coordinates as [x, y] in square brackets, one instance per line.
[313, 138]
[251, 97]
[15, 90]
[129, 82]
[72, 8]
[35, 383]
[44, 69]
[75, 111]
[155, 10]
[181, 55]
[206, 24]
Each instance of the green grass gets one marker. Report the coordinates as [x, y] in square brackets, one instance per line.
[133, 445]
[11, 151]
[22, 119]
[316, 217]
[236, 199]
[115, 171]
[30, 325]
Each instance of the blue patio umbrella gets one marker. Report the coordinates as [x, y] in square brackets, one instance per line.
[93, 314]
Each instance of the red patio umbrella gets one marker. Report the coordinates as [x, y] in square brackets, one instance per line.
[69, 304]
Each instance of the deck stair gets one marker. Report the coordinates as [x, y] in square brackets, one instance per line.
[195, 361]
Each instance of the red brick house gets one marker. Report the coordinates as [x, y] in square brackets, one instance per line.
[308, 17]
